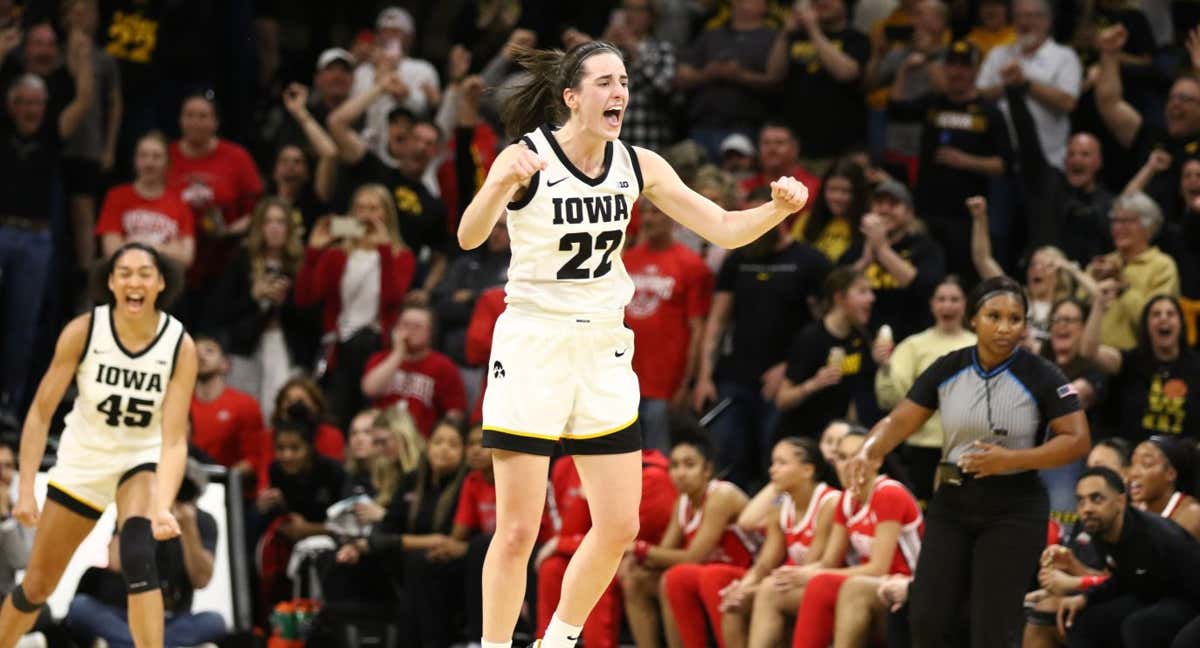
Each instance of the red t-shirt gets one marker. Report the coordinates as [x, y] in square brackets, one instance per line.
[228, 428]
[671, 287]
[225, 178]
[431, 386]
[477, 504]
[149, 220]
[890, 502]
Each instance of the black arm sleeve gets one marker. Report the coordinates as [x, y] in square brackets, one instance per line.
[1054, 393]
[924, 391]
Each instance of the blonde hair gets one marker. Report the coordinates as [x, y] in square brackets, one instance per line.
[391, 219]
[386, 473]
[256, 244]
[1064, 283]
[350, 465]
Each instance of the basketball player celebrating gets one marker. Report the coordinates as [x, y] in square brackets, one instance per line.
[560, 367]
[134, 368]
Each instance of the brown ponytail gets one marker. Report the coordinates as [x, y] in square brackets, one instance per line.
[537, 98]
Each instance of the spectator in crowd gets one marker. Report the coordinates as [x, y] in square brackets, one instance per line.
[720, 186]
[331, 87]
[416, 86]
[484, 27]
[1162, 478]
[361, 455]
[764, 293]
[413, 376]
[301, 484]
[147, 210]
[567, 500]
[32, 137]
[360, 274]
[738, 156]
[92, 150]
[901, 262]
[1072, 205]
[469, 276]
[1150, 595]
[994, 28]
[468, 155]
[1049, 276]
[218, 180]
[747, 611]
[703, 531]
[420, 516]
[964, 145]
[672, 294]
[226, 423]
[920, 62]
[1173, 238]
[1135, 134]
[882, 523]
[830, 362]
[650, 61]
[818, 54]
[1070, 557]
[725, 69]
[1064, 347]
[399, 167]
[890, 31]
[400, 446]
[779, 155]
[184, 563]
[1050, 71]
[899, 368]
[1138, 78]
[834, 223]
[301, 402]
[1138, 269]
[1152, 381]
[270, 338]
[504, 74]
[291, 178]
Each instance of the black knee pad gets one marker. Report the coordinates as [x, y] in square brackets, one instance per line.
[22, 603]
[137, 556]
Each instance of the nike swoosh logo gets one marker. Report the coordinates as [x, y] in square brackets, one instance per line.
[620, 353]
[551, 183]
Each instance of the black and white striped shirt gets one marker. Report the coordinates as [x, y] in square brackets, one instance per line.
[1010, 405]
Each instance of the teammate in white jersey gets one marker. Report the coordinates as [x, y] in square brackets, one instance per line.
[134, 368]
[561, 369]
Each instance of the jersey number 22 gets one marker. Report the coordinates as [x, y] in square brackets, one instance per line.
[608, 241]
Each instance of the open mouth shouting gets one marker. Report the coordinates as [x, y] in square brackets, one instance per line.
[612, 115]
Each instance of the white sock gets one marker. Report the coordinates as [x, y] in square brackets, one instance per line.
[559, 634]
[495, 644]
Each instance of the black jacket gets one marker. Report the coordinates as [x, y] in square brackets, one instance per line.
[1153, 559]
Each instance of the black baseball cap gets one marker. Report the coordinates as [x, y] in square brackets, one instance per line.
[963, 53]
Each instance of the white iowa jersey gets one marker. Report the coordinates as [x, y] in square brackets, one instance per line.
[119, 406]
[567, 232]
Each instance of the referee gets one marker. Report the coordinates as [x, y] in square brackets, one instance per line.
[986, 525]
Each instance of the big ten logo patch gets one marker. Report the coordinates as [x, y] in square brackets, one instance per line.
[407, 200]
[132, 37]
[1165, 402]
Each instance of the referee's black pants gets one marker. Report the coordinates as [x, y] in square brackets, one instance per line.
[1126, 622]
[982, 544]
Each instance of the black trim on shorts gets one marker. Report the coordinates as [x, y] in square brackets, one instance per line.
[637, 167]
[61, 497]
[150, 466]
[525, 198]
[627, 439]
[498, 440]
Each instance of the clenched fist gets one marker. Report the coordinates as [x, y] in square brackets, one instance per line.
[789, 194]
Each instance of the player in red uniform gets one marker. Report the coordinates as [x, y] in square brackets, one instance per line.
[880, 524]
[723, 591]
[701, 531]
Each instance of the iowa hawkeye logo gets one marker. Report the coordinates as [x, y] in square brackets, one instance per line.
[596, 209]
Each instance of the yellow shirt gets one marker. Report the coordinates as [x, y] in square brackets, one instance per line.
[834, 239]
[985, 39]
[1148, 274]
[912, 356]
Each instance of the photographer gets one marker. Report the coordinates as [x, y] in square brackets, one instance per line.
[185, 564]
